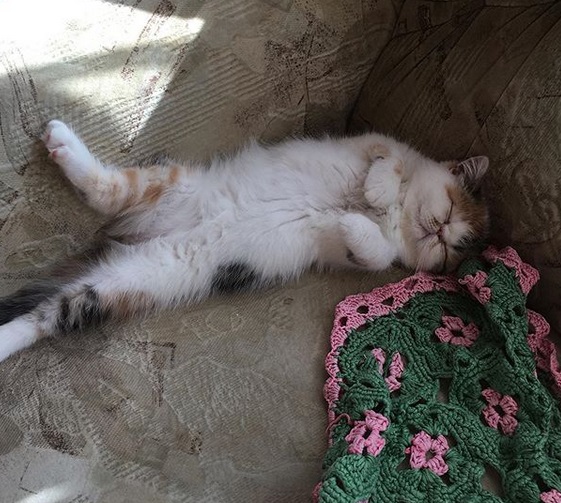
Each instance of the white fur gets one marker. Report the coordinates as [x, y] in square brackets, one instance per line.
[277, 210]
[16, 335]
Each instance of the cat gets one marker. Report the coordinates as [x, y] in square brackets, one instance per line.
[179, 233]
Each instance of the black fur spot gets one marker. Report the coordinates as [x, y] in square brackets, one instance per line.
[92, 313]
[86, 310]
[63, 323]
[351, 257]
[25, 300]
[234, 277]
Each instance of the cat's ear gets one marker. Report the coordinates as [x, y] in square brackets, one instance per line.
[470, 171]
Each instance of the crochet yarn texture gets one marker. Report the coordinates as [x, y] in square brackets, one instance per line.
[433, 387]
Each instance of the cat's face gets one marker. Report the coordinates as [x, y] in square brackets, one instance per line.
[444, 215]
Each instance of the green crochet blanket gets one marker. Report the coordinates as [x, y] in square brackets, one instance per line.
[438, 384]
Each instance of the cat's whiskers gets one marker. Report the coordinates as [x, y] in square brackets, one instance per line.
[426, 248]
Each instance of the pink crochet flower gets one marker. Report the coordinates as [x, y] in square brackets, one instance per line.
[395, 370]
[505, 417]
[476, 286]
[366, 434]
[428, 452]
[552, 496]
[455, 331]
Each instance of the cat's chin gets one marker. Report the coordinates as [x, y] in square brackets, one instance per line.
[432, 261]
[417, 263]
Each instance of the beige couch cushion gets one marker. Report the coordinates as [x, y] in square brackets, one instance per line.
[221, 402]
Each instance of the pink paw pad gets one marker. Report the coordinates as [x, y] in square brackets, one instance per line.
[60, 154]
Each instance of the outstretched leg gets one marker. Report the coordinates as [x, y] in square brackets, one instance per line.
[129, 280]
[106, 189]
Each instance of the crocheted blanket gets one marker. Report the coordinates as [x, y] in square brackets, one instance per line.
[437, 384]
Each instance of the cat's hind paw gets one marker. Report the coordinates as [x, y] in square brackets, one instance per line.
[57, 134]
[64, 147]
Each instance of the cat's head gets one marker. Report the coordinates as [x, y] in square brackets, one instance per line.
[445, 216]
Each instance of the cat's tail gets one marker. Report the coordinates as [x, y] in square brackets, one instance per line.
[26, 300]
[31, 296]
[127, 281]
[44, 309]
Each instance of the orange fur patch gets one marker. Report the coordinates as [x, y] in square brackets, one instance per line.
[173, 174]
[377, 150]
[128, 305]
[153, 192]
[473, 212]
[398, 168]
[123, 306]
[112, 193]
[131, 176]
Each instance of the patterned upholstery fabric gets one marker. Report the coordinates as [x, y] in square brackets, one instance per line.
[222, 402]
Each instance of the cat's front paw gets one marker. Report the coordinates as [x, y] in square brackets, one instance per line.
[357, 228]
[63, 145]
[381, 187]
[367, 245]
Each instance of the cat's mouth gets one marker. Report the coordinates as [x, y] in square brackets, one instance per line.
[427, 233]
[435, 253]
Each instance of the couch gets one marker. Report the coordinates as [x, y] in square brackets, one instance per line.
[222, 402]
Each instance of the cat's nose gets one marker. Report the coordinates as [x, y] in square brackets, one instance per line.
[440, 231]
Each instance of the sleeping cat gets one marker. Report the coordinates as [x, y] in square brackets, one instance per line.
[178, 233]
